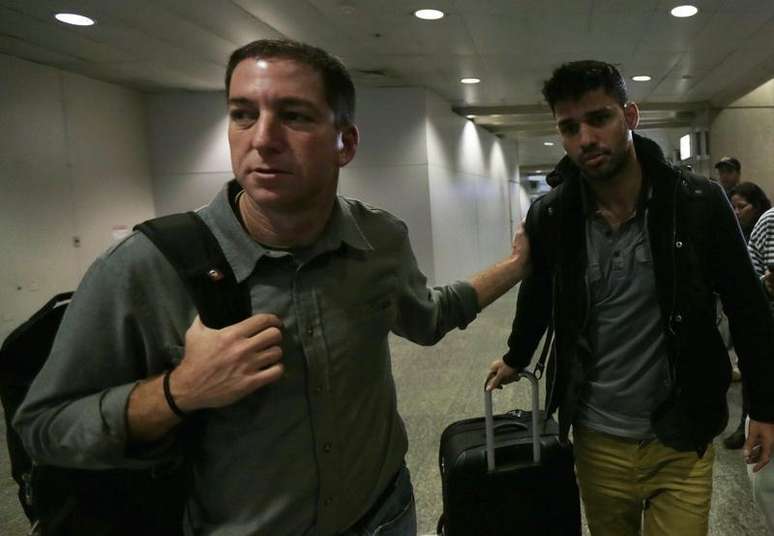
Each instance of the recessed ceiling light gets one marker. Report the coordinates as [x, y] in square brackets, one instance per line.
[548, 143]
[74, 19]
[347, 9]
[470, 80]
[470, 116]
[641, 78]
[429, 14]
[684, 11]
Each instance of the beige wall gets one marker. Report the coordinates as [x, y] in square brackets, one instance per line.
[745, 129]
[469, 172]
[73, 163]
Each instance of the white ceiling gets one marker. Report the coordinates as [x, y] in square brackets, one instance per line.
[512, 45]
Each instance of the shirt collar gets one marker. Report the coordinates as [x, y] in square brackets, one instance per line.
[243, 253]
[345, 228]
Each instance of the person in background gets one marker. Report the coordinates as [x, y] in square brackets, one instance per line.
[729, 172]
[749, 202]
[761, 248]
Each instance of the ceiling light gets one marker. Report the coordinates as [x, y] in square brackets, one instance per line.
[641, 78]
[75, 20]
[548, 143]
[470, 116]
[429, 14]
[470, 80]
[347, 9]
[684, 11]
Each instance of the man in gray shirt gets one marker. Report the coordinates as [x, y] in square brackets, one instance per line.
[300, 432]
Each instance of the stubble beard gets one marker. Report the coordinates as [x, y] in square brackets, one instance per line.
[616, 163]
[617, 156]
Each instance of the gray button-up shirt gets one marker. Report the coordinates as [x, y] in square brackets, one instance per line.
[629, 365]
[308, 454]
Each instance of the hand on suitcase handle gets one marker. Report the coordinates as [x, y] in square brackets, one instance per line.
[500, 374]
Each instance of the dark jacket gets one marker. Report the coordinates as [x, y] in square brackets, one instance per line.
[698, 253]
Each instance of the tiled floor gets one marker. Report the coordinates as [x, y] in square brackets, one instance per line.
[439, 385]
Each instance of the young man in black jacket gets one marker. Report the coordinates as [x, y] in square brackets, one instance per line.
[628, 254]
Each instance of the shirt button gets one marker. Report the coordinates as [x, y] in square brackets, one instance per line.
[679, 318]
[678, 244]
[327, 447]
[309, 331]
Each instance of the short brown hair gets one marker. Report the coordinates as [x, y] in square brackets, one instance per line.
[339, 89]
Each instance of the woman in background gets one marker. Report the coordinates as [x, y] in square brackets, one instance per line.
[761, 247]
[749, 202]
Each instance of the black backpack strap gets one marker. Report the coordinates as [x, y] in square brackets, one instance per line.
[541, 363]
[194, 252]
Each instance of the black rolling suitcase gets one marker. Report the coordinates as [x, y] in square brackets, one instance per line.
[500, 478]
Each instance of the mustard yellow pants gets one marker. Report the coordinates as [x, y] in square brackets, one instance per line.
[632, 487]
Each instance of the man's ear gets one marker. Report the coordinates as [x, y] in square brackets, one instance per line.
[632, 115]
[349, 137]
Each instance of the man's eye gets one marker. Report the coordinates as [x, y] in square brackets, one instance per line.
[242, 117]
[296, 117]
[568, 129]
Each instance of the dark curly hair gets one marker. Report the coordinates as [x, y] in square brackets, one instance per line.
[753, 194]
[571, 80]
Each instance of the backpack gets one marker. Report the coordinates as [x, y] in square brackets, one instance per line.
[63, 501]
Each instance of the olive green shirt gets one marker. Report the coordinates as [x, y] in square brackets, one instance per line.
[308, 454]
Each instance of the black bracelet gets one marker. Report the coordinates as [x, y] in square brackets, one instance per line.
[168, 395]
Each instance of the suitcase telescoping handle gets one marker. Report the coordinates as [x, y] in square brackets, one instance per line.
[489, 422]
